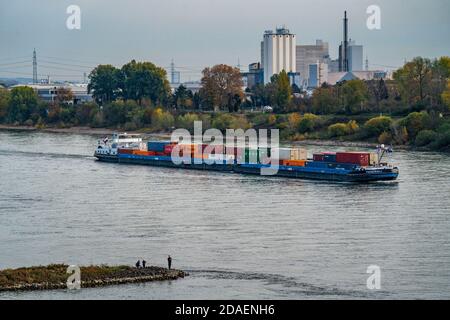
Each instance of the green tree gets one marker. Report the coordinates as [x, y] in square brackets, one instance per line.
[162, 120]
[186, 121]
[115, 113]
[284, 90]
[220, 85]
[324, 100]
[4, 102]
[446, 95]
[223, 121]
[378, 125]
[23, 103]
[141, 80]
[414, 80]
[379, 91]
[104, 83]
[309, 122]
[183, 97]
[354, 95]
[86, 112]
[425, 137]
[416, 122]
[338, 130]
[440, 70]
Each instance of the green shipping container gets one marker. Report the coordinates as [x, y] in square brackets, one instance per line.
[251, 155]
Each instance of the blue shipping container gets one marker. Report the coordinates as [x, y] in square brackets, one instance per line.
[157, 146]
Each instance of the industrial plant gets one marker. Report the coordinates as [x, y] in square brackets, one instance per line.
[309, 65]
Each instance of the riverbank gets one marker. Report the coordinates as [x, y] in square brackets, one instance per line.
[54, 277]
[166, 136]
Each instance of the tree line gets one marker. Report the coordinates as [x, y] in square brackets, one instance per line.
[414, 104]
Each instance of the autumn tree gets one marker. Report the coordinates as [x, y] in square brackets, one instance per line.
[221, 87]
[64, 95]
[414, 80]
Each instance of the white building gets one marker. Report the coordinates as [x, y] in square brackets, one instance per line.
[194, 86]
[278, 53]
[355, 57]
[49, 92]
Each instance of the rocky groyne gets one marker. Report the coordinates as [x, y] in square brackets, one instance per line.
[54, 277]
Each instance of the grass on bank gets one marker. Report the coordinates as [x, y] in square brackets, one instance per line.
[56, 274]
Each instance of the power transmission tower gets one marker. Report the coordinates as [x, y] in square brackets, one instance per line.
[35, 77]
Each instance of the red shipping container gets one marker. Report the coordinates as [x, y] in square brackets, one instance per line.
[213, 149]
[318, 157]
[168, 149]
[360, 158]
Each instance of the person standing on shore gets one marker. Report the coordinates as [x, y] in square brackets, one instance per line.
[143, 263]
[138, 264]
[169, 262]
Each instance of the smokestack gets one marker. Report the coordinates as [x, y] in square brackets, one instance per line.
[345, 49]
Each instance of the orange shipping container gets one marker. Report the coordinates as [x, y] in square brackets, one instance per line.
[143, 153]
[293, 163]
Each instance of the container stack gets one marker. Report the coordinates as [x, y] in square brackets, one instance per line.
[359, 158]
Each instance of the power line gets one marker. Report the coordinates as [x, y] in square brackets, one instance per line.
[15, 58]
[17, 67]
[60, 68]
[13, 63]
[43, 75]
[68, 64]
[73, 60]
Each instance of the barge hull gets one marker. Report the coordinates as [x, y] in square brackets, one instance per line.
[318, 175]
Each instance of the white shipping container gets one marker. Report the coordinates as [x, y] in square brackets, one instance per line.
[283, 153]
[299, 154]
[373, 159]
[221, 157]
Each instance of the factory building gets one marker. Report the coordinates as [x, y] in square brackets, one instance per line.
[278, 53]
[309, 55]
[318, 74]
[49, 92]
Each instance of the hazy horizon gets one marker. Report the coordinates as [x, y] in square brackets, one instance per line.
[201, 33]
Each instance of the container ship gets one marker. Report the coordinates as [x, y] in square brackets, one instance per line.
[292, 162]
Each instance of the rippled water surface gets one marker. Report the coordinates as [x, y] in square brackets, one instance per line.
[238, 236]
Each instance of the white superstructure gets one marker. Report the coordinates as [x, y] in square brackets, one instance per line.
[119, 140]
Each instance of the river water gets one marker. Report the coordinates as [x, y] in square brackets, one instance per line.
[239, 237]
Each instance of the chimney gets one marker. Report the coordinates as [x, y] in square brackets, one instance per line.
[345, 53]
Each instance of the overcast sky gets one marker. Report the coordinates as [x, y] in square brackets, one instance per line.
[199, 33]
